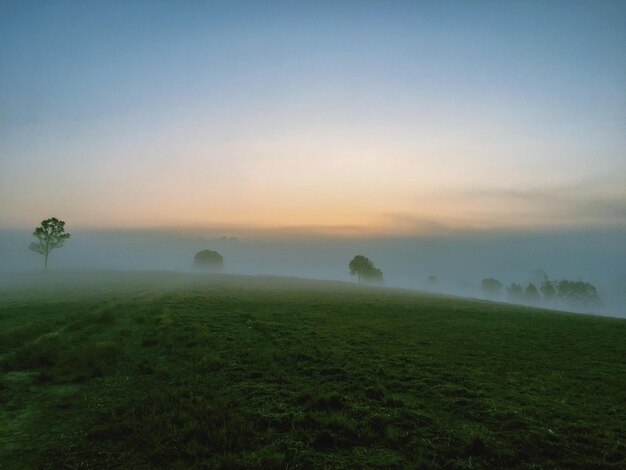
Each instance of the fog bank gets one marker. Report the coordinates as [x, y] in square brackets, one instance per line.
[458, 260]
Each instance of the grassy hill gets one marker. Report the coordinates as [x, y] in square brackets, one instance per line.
[115, 370]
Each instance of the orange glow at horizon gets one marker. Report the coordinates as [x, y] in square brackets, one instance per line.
[326, 119]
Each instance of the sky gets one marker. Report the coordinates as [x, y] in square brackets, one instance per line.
[347, 118]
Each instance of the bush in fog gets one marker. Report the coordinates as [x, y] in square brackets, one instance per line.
[208, 260]
[50, 235]
[491, 287]
[365, 270]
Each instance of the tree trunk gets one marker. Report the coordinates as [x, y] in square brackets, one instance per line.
[45, 263]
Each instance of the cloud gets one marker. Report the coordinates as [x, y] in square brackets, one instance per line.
[594, 201]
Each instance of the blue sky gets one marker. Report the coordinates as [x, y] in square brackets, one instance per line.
[360, 117]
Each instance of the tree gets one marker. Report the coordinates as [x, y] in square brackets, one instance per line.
[374, 275]
[209, 260]
[50, 235]
[359, 265]
[364, 269]
[547, 290]
[531, 293]
[515, 291]
[578, 294]
[491, 287]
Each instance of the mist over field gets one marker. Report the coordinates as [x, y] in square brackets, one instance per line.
[312, 234]
[459, 261]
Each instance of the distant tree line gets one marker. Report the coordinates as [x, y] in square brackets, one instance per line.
[578, 295]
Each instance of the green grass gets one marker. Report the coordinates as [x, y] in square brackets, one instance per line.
[178, 371]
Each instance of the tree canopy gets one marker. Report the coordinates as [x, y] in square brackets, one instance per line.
[364, 269]
[515, 291]
[531, 293]
[491, 287]
[548, 290]
[575, 295]
[50, 235]
[209, 260]
[578, 294]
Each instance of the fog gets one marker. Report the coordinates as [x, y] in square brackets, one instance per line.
[458, 260]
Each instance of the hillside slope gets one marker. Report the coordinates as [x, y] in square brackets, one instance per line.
[127, 370]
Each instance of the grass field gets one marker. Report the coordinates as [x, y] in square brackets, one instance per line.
[123, 370]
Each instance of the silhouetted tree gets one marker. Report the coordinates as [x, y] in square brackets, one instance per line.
[209, 260]
[547, 290]
[364, 269]
[531, 294]
[578, 294]
[515, 292]
[50, 235]
[374, 275]
[491, 287]
[359, 265]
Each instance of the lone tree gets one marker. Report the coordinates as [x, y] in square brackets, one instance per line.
[364, 269]
[209, 260]
[50, 235]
